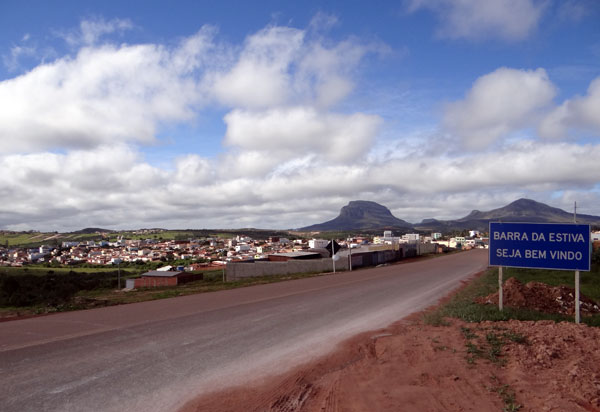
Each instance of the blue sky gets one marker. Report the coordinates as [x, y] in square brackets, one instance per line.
[275, 114]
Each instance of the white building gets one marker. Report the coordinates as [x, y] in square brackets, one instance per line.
[387, 239]
[317, 243]
[411, 238]
[242, 248]
[457, 241]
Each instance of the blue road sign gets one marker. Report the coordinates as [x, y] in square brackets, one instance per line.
[561, 246]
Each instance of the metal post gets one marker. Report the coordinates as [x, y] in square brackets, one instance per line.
[350, 257]
[119, 276]
[577, 313]
[500, 297]
[223, 274]
[333, 254]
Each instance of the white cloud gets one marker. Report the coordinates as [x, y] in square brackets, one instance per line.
[323, 21]
[576, 10]
[91, 30]
[510, 20]
[102, 95]
[579, 113]
[193, 170]
[11, 61]
[499, 103]
[302, 130]
[260, 77]
[247, 163]
[281, 65]
[327, 71]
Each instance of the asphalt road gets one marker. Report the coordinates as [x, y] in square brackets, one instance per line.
[153, 356]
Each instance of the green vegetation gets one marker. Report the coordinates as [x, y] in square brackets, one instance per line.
[39, 270]
[12, 239]
[50, 289]
[36, 239]
[490, 347]
[507, 394]
[39, 292]
[463, 306]
[485, 343]
[212, 282]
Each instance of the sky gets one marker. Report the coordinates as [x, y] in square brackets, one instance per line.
[275, 114]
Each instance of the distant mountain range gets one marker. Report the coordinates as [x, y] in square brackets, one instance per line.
[364, 215]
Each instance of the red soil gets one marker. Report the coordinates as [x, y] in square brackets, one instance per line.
[414, 367]
[542, 298]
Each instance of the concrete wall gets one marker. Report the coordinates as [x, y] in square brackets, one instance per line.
[426, 248]
[236, 270]
[376, 256]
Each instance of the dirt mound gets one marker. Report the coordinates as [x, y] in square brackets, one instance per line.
[541, 297]
[558, 369]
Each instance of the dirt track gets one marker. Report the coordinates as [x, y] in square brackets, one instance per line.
[409, 366]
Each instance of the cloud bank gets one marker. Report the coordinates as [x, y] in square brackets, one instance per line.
[73, 134]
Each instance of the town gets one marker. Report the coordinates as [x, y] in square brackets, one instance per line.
[197, 253]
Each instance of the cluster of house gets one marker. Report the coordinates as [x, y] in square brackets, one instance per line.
[214, 250]
[474, 240]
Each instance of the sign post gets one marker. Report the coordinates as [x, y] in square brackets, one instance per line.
[500, 297]
[577, 314]
[333, 260]
[333, 247]
[350, 257]
[558, 246]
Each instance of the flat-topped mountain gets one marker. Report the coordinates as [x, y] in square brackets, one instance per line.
[89, 230]
[361, 214]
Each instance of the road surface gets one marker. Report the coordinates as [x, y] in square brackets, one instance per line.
[153, 356]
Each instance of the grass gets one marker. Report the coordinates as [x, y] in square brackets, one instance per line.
[22, 238]
[43, 270]
[36, 239]
[489, 348]
[85, 299]
[487, 343]
[507, 394]
[462, 305]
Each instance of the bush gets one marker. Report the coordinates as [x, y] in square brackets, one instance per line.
[596, 256]
[50, 289]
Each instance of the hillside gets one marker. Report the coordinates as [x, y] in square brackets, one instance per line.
[361, 214]
[521, 210]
